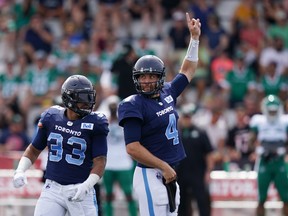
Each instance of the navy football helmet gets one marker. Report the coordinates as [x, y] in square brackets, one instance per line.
[149, 64]
[78, 89]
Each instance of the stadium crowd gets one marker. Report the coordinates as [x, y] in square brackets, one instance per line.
[243, 56]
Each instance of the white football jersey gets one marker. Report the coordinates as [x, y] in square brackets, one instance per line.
[276, 131]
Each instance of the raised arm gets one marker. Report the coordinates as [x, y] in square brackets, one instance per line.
[190, 61]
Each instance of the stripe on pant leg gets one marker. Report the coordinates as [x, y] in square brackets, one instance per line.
[148, 193]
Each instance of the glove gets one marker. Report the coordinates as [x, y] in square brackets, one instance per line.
[81, 191]
[281, 151]
[259, 150]
[19, 179]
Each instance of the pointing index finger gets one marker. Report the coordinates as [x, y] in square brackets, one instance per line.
[188, 17]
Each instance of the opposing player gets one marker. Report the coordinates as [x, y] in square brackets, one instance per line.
[269, 134]
[77, 147]
[119, 165]
[150, 126]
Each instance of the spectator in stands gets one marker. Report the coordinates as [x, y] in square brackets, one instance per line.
[216, 35]
[23, 12]
[122, 69]
[202, 10]
[40, 80]
[239, 82]
[83, 21]
[92, 70]
[37, 37]
[238, 141]
[64, 55]
[10, 85]
[107, 57]
[7, 36]
[178, 37]
[143, 46]
[252, 104]
[149, 12]
[211, 119]
[50, 8]
[253, 35]
[110, 11]
[220, 66]
[41, 85]
[274, 52]
[194, 171]
[280, 28]
[244, 11]
[14, 138]
[272, 83]
[202, 78]
[270, 8]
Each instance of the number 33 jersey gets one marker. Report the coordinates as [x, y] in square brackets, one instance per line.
[72, 145]
[159, 132]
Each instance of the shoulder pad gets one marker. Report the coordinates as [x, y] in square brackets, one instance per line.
[130, 108]
[256, 120]
[101, 122]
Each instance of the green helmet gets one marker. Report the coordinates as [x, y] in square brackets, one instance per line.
[271, 107]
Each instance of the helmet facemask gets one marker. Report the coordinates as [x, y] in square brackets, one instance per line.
[272, 108]
[149, 65]
[78, 95]
[153, 90]
[72, 100]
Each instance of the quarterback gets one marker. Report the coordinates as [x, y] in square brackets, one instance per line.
[150, 122]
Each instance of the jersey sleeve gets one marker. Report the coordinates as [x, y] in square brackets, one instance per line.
[102, 124]
[99, 143]
[285, 119]
[40, 139]
[254, 122]
[129, 108]
[178, 84]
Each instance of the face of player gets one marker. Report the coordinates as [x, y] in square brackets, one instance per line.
[84, 106]
[73, 115]
[148, 82]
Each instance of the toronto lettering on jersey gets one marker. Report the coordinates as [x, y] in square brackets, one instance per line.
[67, 130]
[166, 110]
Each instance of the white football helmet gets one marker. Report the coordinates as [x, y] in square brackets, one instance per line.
[272, 107]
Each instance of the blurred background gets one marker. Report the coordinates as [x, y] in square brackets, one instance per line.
[243, 56]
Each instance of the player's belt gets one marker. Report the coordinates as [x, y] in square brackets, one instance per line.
[144, 166]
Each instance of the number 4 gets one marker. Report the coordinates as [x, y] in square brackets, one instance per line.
[171, 130]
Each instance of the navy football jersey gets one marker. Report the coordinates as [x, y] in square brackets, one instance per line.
[159, 132]
[72, 145]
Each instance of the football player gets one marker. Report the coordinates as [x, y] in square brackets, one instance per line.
[150, 126]
[77, 147]
[120, 166]
[269, 134]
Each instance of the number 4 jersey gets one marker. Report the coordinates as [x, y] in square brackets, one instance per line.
[72, 145]
[159, 133]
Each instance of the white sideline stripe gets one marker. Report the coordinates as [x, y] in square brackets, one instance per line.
[246, 204]
[17, 202]
[29, 173]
